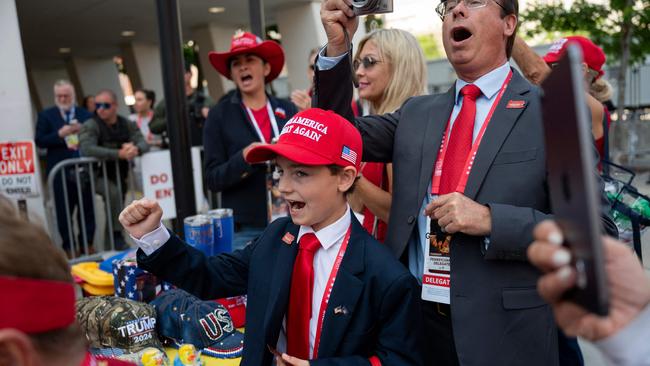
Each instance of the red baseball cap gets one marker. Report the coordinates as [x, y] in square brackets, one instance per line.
[593, 55]
[243, 43]
[314, 137]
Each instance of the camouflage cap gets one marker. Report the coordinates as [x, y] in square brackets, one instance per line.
[126, 326]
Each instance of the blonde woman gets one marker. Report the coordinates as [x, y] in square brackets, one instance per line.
[390, 68]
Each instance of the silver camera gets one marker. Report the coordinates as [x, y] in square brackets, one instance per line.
[365, 7]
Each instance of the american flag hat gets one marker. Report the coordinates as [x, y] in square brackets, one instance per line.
[314, 137]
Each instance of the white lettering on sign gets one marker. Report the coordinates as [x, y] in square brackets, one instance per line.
[17, 169]
[157, 181]
[436, 280]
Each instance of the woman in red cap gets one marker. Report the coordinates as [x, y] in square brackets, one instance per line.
[241, 120]
[537, 68]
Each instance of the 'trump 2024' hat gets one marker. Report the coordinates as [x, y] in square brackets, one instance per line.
[118, 327]
[314, 137]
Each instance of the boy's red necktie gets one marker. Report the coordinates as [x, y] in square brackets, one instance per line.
[460, 142]
[300, 298]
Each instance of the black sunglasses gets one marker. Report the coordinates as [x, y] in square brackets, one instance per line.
[103, 105]
[367, 63]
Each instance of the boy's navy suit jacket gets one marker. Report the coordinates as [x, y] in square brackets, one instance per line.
[380, 295]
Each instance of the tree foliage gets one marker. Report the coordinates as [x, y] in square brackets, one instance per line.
[429, 46]
[603, 23]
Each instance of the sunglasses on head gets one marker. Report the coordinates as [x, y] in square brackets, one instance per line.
[103, 105]
[367, 62]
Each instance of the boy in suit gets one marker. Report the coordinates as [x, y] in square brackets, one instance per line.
[320, 289]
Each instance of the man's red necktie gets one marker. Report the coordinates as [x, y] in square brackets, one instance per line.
[460, 142]
[300, 298]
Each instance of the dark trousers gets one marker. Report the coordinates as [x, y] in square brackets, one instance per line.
[569, 350]
[72, 203]
[437, 335]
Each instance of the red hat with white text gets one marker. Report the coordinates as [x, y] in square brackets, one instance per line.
[314, 137]
[244, 43]
[593, 55]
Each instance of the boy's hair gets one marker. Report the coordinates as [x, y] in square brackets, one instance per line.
[27, 251]
[336, 169]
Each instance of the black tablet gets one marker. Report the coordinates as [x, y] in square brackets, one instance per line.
[571, 165]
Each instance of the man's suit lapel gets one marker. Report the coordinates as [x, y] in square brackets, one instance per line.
[502, 122]
[280, 284]
[345, 294]
[436, 119]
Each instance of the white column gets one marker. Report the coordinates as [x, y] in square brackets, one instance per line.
[98, 74]
[301, 31]
[147, 59]
[15, 104]
[213, 38]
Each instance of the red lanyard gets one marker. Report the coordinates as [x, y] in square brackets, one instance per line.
[275, 133]
[328, 291]
[437, 169]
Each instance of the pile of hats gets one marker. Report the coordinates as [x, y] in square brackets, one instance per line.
[185, 319]
[119, 328]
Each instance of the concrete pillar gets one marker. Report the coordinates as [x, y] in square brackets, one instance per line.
[142, 63]
[44, 83]
[213, 38]
[301, 31]
[15, 104]
[98, 74]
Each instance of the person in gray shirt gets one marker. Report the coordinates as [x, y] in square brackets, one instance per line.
[109, 136]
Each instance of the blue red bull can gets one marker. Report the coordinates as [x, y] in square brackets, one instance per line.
[223, 228]
[199, 233]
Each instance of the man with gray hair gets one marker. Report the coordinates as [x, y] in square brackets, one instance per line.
[57, 131]
[110, 136]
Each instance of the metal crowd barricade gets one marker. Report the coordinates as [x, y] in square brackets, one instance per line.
[81, 165]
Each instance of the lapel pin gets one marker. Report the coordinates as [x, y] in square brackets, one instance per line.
[516, 104]
[340, 310]
[288, 238]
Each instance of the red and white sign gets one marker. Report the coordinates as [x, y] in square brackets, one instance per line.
[436, 280]
[17, 169]
[157, 182]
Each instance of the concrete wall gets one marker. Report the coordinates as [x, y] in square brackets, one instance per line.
[15, 104]
[98, 74]
[213, 38]
[147, 57]
[44, 82]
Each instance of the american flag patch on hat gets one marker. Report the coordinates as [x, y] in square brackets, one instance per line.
[349, 155]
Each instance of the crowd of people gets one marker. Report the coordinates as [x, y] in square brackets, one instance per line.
[382, 226]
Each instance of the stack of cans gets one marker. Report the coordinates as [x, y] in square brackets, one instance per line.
[223, 229]
[199, 233]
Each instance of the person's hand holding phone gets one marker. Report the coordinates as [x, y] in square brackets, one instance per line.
[628, 285]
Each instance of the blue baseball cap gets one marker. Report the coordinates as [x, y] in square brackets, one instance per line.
[206, 324]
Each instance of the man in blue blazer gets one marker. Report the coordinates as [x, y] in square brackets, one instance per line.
[57, 131]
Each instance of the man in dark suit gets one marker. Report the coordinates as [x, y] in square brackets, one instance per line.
[462, 227]
[57, 131]
[320, 289]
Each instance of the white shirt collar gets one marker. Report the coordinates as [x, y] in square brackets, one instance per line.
[489, 83]
[331, 234]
